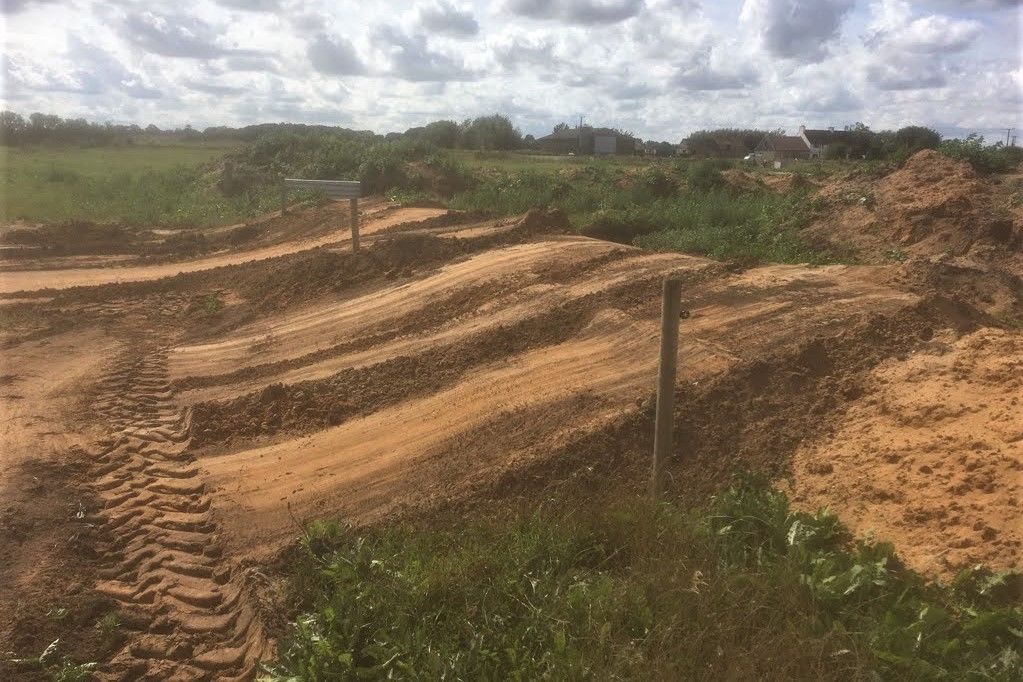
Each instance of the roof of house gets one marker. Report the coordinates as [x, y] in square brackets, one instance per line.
[819, 138]
[783, 143]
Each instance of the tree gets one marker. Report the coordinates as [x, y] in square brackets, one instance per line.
[561, 127]
[724, 141]
[12, 127]
[665, 149]
[914, 138]
[441, 133]
[490, 132]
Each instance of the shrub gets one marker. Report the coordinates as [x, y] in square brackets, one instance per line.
[995, 158]
[706, 175]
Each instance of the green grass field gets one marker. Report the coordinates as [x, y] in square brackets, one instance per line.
[158, 184]
[522, 161]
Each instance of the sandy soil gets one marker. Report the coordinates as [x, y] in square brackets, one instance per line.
[457, 360]
[42, 385]
[931, 459]
[12, 281]
[368, 466]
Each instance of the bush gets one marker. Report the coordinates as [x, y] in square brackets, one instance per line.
[706, 175]
[995, 158]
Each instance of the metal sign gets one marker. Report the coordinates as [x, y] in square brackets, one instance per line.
[334, 189]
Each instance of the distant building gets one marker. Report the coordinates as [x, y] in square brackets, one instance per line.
[781, 147]
[586, 140]
[824, 142]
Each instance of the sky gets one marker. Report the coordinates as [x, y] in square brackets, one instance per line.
[657, 68]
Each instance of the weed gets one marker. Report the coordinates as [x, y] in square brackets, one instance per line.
[58, 614]
[705, 175]
[207, 305]
[108, 625]
[743, 589]
[896, 255]
[58, 667]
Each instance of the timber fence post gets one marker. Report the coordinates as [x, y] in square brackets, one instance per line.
[353, 205]
[664, 424]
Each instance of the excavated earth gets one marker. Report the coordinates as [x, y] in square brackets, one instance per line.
[169, 426]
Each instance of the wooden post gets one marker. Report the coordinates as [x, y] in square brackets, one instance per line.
[353, 205]
[284, 196]
[664, 424]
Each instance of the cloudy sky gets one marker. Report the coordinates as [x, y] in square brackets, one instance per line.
[660, 68]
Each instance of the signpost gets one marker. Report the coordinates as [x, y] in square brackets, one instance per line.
[664, 420]
[334, 189]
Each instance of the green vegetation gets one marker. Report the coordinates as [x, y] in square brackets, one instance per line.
[160, 185]
[56, 666]
[681, 206]
[743, 589]
[995, 158]
[519, 161]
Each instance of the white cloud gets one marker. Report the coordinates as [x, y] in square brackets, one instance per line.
[658, 67]
[334, 56]
[442, 16]
[796, 29]
[583, 12]
[893, 27]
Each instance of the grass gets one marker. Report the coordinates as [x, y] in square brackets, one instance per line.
[677, 205]
[742, 589]
[158, 185]
[515, 162]
[668, 206]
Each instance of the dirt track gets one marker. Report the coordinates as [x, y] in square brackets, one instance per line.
[12, 281]
[511, 352]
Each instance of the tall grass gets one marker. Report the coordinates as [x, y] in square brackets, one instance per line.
[744, 589]
[723, 225]
[688, 208]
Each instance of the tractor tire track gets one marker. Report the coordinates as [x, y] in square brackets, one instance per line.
[186, 606]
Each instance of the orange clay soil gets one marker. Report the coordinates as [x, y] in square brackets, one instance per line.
[31, 280]
[931, 457]
[931, 207]
[454, 362]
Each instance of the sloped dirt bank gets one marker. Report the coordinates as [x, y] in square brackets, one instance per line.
[930, 457]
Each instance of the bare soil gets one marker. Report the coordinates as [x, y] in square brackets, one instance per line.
[181, 421]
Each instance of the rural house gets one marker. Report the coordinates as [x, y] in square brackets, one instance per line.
[826, 142]
[587, 140]
[780, 147]
[718, 145]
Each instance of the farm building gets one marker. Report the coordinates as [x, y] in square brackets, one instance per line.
[827, 142]
[781, 147]
[587, 140]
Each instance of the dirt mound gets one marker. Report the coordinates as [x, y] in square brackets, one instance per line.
[931, 457]
[742, 181]
[284, 282]
[787, 182]
[313, 405]
[540, 221]
[931, 206]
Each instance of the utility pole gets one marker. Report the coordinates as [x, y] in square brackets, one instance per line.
[1008, 132]
[579, 132]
